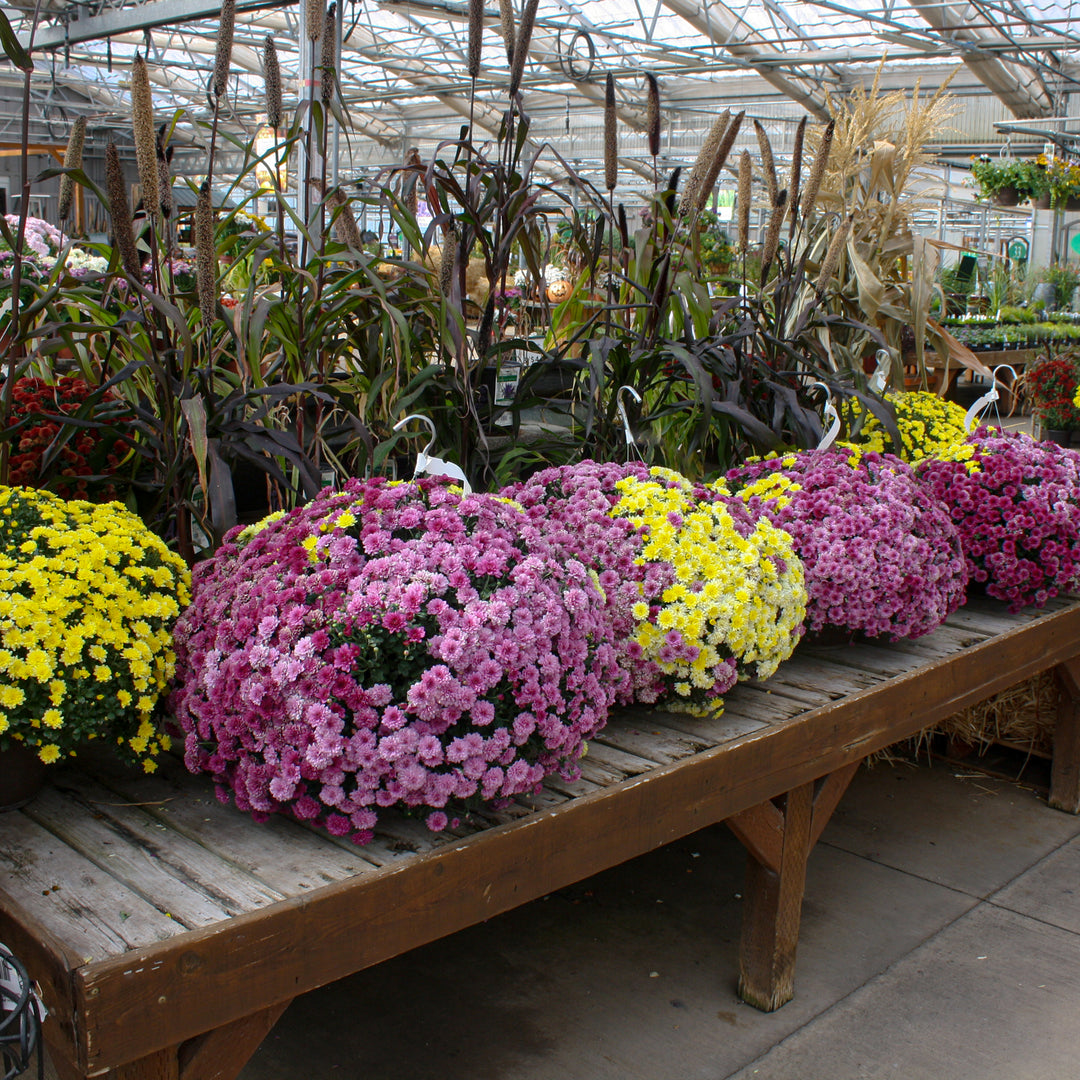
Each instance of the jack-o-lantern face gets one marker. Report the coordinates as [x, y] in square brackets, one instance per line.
[558, 291]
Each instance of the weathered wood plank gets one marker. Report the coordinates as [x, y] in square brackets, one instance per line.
[217, 877]
[280, 853]
[125, 860]
[785, 684]
[824, 677]
[760, 703]
[1065, 765]
[650, 741]
[627, 763]
[710, 729]
[50, 961]
[875, 658]
[221, 1054]
[94, 915]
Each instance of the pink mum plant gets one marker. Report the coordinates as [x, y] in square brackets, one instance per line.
[390, 645]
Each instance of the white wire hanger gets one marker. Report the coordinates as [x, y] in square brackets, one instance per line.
[433, 466]
[880, 379]
[632, 449]
[971, 417]
[829, 412]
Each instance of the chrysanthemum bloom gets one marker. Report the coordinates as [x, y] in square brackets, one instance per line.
[1016, 505]
[390, 645]
[881, 554]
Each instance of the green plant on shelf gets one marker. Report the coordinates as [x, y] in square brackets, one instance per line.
[1025, 176]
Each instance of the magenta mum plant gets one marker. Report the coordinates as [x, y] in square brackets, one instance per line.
[1016, 505]
[390, 645]
[881, 555]
[572, 505]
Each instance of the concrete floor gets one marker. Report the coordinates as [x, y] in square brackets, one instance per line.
[940, 941]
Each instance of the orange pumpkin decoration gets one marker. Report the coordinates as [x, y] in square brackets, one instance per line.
[558, 291]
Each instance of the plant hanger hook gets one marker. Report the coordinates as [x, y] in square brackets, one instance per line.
[433, 466]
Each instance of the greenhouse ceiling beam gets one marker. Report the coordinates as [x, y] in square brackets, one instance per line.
[1009, 82]
[137, 18]
[721, 25]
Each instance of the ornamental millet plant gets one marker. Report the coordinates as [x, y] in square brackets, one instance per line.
[88, 596]
[390, 645]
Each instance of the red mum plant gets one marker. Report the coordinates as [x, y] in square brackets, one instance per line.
[74, 460]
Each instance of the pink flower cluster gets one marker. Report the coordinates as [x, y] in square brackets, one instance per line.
[572, 505]
[881, 555]
[390, 644]
[1016, 505]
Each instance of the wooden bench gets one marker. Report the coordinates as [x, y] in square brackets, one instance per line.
[168, 932]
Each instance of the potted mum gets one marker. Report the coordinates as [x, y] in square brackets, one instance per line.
[390, 645]
[1016, 506]
[698, 594]
[1051, 385]
[882, 557]
[88, 596]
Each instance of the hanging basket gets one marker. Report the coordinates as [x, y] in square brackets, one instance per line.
[1043, 202]
[1006, 196]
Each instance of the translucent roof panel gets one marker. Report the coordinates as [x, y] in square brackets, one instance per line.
[403, 62]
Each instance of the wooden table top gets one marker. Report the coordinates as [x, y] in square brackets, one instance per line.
[134, 897]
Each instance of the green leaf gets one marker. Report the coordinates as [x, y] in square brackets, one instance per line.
[13, 48]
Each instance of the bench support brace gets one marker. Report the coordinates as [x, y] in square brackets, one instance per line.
[1065, 772]
[216, 1055]
[778, 835]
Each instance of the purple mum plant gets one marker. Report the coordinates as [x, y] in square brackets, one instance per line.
[390, 645]
[572, 505]
[1016, 505]
[882, 556]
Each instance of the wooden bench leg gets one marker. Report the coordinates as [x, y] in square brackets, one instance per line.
[1065, 772]
[778, 839]
[216, 1055]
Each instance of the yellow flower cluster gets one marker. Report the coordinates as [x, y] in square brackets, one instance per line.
[735, 594]
[929, 426]
[88, 596]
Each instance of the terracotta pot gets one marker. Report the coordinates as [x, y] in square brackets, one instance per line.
[22, 775]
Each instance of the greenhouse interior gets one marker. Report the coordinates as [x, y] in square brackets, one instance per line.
[489, 489]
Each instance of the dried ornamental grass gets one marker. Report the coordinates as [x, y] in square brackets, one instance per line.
[223, 53]
[272, 82]
[145, 136]
[328, 61]
[611, 135]
[652, 113]
[120, 214]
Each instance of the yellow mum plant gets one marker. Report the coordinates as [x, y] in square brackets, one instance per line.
[734, 598]
[929, 426]
[88, 597]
